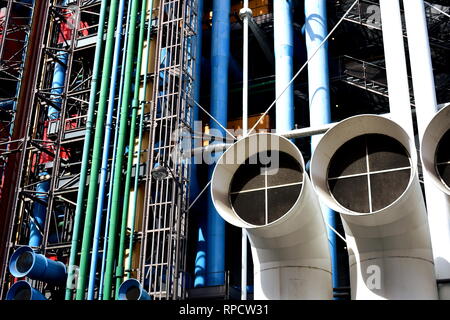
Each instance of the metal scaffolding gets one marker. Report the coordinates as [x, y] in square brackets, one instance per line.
[53, 135]
[164, 228]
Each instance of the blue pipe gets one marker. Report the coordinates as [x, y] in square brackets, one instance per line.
[220, 55]
[116, 137]
[131, 289]
[319, 98]
[59, 77]
[105, 156]
[200, 261]
[25, 262]
[22, 290]
[39, 212]
[284, 61]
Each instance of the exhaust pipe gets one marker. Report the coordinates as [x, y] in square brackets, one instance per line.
[22, 290]
[131, 289]
[434, 150]
[436, 166]
[260, 184]
[365, 168]
[26, 263]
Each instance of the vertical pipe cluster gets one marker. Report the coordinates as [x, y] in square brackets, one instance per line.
[86, 148]
[116, 205]
[284, 61]
[105, 155]
[131, 143]
[316, 31]
[220, 53]
[97, 152]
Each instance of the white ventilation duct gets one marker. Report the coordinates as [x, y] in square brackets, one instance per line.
[259, 184]
[435, 150]
[365, 168]
[435, 155]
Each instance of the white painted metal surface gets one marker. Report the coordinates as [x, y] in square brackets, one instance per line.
[390, 251]
[396, 72]
[440, 217]
[426, 108]
[291, 255]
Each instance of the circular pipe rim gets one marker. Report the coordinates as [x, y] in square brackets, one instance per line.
[15, 257]
[240, 222]
[334, 204]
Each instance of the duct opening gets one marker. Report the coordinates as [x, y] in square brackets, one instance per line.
[133, 293]
[262, 193]
[23, 293]
[443, 159]
[369, 172]
[25, 262]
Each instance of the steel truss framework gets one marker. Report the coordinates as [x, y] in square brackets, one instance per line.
[53, 146]
[162, 264]
[15, 24]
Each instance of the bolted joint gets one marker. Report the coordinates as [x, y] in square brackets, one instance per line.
[245, 13]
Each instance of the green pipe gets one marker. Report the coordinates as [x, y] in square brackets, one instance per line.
[117, 171]
[141, 129]
[86, 148]
[97, 151]
[132, 137]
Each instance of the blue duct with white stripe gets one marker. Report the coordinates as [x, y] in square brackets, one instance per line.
[319, 97]
[220, 53]
[284, 60]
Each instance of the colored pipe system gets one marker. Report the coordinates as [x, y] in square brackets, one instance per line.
[96, 151]
[116, 138]
[284, 61]
[131, 143]
[319, 99]
[220, 52]
[86, 148]
[106, 148]
[116, 205]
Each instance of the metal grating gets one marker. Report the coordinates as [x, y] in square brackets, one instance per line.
[262, 193]
[443, 159]
[164, 234]
[369, 172]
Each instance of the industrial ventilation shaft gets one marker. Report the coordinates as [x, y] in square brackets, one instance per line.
[260, 184]
[365, 168]
[435, 152]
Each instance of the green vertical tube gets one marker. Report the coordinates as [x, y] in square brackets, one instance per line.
[117, 172]
[86, 148]
[132, 136]
[141, 129]
[97, 152]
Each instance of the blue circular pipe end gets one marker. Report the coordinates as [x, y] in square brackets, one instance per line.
[22, 262]
[22, 290]
[131, 289]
